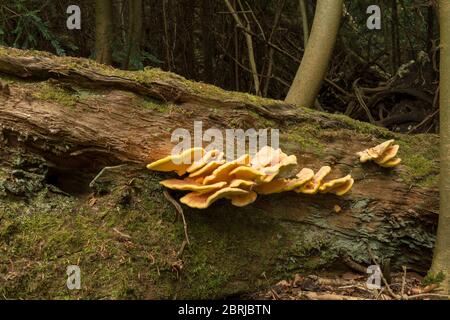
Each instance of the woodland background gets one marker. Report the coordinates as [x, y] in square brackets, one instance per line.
[393, 70]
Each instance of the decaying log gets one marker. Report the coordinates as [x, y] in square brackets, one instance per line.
[78, 117]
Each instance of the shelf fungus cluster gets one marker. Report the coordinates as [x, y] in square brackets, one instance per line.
[209, 177]
[383, 154]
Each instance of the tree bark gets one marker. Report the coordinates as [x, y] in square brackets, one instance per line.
[315, 61]
[304, 16]
[80, 117]
[441, 258]
[134, 35]
[207, 41]
[103, 31]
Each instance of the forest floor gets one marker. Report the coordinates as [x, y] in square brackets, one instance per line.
[349, 286]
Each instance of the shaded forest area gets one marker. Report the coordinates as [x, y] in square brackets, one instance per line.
[83, 111]
[387, 77]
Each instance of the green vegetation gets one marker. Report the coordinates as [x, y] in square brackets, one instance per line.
[431, 278]
[49, 92]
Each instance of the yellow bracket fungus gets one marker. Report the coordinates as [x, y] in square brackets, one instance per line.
[382, 154]
[178, 163]
[204, 200]
[312, 187]
[222, 173]
[210, 177]
[337, 186]
[244, 199]
[243, 184]
[209, 157]
[207, 169]
[176, 184]
[246, 173]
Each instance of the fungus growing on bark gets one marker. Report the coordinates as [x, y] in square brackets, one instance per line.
[178, 163]
[189, 185]
[207, 169]
[246, 173]
[274, 186]
[391, 163]
[240, 183]
[210, 156]
[222, 173]
[244, 199]
[312, 187]
[337, 186]
[204, 200]
[211, 178]
[281, 184]
[305, 175]
[382, 154]
[266, 156]
[280, 169]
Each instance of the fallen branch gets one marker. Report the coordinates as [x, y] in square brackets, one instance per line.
[92, 183]
[180, 212]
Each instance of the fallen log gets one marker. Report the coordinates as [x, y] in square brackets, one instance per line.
[64, 119]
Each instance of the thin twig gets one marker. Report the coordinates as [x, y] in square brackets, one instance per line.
[423, 295]
[428, 118]
[91, 184]
[362, 102]
[180, 212]
[180, 252]
[121, 234]
[403, 282]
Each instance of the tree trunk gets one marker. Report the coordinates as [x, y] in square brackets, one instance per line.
[304, 16]
[103, 31]
[65, 119]
[315, 61]
[134, 35]
[249, 42]
[207, 41]
[441, 258]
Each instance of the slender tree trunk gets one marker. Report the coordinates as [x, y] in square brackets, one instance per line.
[207, 41]
[237, 58]
[134, 34]
[430, 30]
[304, 17]
[314, 65]
[166, 36]
[103, 31]
[441, 259]
[270, 60]
[187, 39]
[395, 37]
[249, 42]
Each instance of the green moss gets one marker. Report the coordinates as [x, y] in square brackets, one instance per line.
[420, 157]
[359, 126]
[432, 278]
[47, 91]
[305, 138]
[146, 76]
[153, 105]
